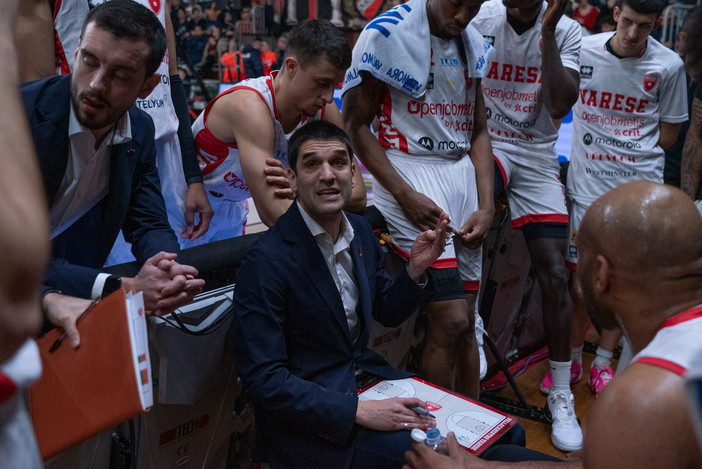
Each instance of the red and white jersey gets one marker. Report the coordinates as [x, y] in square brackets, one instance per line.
[68, 20]
[512, 86]
[677, 345]
[617, 115]
[440, 123]
[219, 161]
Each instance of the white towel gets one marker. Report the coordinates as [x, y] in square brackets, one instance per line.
[395, 48]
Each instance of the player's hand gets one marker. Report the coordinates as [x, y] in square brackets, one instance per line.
[476, 228]
[553, 13]
[63, 311]
[392, 414]
[277, 176]
[423, 457]
[196, 201]
[427, 248]
[419, 209]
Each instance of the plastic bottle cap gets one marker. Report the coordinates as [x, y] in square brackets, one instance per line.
[433, 433]
[418, 435]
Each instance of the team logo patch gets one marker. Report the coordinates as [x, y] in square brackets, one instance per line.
[650, 81]
[587, 139]
[490, 39]
[155, 5]
[586, 71]
[427, 143]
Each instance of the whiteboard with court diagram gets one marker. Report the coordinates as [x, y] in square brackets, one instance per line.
[475, 425]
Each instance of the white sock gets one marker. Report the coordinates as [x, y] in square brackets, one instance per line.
[560, 373]
[576, 354]
[603, 358]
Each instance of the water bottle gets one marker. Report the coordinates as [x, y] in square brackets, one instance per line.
[436, 442]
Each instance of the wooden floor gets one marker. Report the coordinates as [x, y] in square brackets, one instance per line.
[538, 434]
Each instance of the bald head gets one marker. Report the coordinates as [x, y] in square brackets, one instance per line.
[644, 228]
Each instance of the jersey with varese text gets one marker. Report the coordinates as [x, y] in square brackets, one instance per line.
[219, 161]
[68, 20]
[440, 122]
[512, 85]
[616, 118]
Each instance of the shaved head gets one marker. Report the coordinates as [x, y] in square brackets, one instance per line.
[640, 249]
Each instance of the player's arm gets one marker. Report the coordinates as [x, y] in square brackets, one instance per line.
[691, 165]
[668, 134]
[559, 83]
[254, 137]
[476, 228]
[641, 421]
[24, 235]
[34, 37]
[358, 195]
[361, 105]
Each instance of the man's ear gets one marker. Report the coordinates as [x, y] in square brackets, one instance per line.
[149, 85]
[658, 22]
[354, 168]
[293, 180]
[291, 66]
[616, 12]
[603, 275]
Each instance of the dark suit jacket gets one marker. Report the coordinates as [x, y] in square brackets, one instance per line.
[292, 344]
[133, 202]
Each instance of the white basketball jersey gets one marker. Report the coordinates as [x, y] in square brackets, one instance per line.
[68, 20]
[616, 118]
[512, 87]
[440, 122]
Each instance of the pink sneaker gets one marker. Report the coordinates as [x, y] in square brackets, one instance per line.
[576, 372]
[599, 377]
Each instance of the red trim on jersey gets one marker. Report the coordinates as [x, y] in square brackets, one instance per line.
[663, 363]
[312, 9]
[548, 218]
[572, 266]
[60, 55]
[386, 110]
[502, 170]
[448, 263]
[471, 285]
[57, 8]
[269, 82]
[688, 315]
[7, 388]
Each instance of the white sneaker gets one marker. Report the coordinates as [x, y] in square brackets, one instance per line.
[479, 331]
[566, 434]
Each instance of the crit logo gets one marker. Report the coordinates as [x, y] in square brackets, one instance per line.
[155, 5]
[650, 81]
[586, 71]
[427, 143]
[587, 139]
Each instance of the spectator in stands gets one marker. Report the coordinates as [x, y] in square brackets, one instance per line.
[253, 64]
[244, 130]
[212, 19]
[180, 23]
[305, 298]
[641, 419]
[268, 57]
[244, 29]
[232, 64]
[195, 44]
[210, 53]
[196, 19]
[586, 15]
[24, 250]
[282, 44]
[124, 192]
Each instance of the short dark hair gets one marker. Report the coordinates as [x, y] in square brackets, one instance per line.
[644, 7]
[316, 130]
[692, 52]
[127, 19]
[312, 40]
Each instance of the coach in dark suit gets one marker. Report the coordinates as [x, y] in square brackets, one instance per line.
[97, 158]
[304, 299]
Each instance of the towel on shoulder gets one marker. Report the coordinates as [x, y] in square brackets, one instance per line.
[395, 48]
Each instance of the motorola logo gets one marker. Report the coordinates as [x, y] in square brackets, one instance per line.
[587, 139]
[427, 143]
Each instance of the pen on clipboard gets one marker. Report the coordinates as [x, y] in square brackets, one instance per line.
[63, 336]
[423, 411]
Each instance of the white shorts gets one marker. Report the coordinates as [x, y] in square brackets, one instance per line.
[451, 185]
[229, 221]
[534, 189]
[577, 212]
